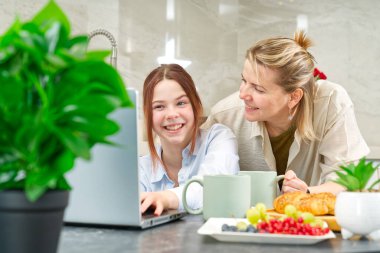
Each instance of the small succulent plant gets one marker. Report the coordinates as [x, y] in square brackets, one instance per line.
[355, 176]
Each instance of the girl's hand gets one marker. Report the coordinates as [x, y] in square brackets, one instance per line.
[293, 183]
[159, 201]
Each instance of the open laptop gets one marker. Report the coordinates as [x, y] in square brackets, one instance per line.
[106, 189]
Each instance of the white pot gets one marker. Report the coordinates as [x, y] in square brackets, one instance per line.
[358, 214]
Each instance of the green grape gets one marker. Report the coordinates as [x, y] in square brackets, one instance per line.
[298, 214]
[241, 226]
[265, 218]
[307, 217]
[291, 211]
[261, 208]
[317, 223]
[253, 216]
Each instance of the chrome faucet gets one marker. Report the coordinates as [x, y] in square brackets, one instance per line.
[111, 38]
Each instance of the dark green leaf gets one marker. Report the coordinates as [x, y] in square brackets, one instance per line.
[348, 181]
[104, 103]
[76, 142]
[349, 169]
[366, 174]
[12, 94]
[34, 192]
[49, 177]
[7, 178]
[98, 72]
[374, 184]
[95, 127]
[52, 13]
[64, 163]
[62, 184]
[98, 55]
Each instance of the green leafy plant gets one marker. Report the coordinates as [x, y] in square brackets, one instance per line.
[355, 177]
[55, 99]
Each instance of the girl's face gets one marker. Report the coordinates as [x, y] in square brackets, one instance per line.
[264, 99]
[173, 117]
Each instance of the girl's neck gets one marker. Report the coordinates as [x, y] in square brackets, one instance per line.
[172, 159]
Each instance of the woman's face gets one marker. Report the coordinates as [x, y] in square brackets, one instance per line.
[264, 99]
[173, 118]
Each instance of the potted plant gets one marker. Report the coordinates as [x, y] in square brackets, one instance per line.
[358, 207]
[55, 98]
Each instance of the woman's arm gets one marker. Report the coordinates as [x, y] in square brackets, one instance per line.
[293, 183]
[341, 142]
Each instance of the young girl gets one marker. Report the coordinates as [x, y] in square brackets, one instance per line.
[173, 112]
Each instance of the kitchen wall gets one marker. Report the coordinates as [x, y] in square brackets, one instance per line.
[213, 35]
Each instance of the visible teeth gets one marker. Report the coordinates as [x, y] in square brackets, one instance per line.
[174, 127]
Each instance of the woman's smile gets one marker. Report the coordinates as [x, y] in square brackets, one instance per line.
[251, 107]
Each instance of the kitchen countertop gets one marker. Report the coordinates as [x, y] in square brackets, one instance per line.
[181, 236]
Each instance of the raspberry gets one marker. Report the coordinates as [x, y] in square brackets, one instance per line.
[290, 226]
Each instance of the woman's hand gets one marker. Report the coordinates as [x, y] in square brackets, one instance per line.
[159, 201]
[293, 183]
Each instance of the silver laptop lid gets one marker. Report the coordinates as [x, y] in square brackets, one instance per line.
[106, 189]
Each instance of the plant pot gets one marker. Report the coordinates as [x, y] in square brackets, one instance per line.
[27, 227]
[358, 214]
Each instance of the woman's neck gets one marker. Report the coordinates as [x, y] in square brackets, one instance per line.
[277, 128]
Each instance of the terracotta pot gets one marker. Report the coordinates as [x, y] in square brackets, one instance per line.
[27, 227]
[358, 214]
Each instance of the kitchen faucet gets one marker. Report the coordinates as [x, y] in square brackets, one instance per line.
[111, 38]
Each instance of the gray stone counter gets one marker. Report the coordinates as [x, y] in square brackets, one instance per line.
[181, 236]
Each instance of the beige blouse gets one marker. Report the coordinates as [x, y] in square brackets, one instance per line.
[334, 120]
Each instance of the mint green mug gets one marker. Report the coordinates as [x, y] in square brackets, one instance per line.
[223, 196]
[264, 187]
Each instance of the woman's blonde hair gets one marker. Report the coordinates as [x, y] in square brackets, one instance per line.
[295, 66]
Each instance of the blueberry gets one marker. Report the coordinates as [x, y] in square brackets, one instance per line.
[225, 227]
[251, 229]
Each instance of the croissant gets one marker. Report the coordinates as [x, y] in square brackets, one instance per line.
[317, 204]
[329, 198]
[312, 205]
[288, 198]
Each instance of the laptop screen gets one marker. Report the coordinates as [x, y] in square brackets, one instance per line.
[106, 189]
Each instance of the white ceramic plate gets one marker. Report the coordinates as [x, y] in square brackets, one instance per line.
[213, 227]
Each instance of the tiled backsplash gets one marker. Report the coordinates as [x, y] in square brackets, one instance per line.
[215, 34]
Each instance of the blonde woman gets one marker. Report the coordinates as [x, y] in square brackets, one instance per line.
[286, 122]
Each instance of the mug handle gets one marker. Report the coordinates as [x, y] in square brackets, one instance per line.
[279, 177]
[187, 208]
